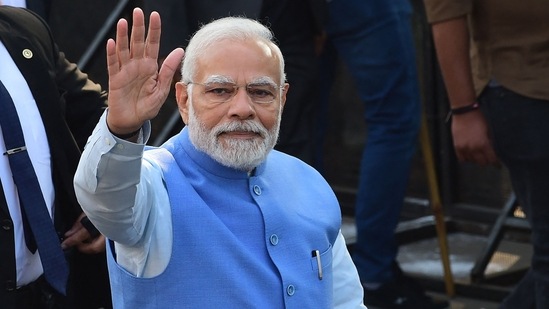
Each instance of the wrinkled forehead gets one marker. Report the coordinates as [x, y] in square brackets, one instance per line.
[238, 60]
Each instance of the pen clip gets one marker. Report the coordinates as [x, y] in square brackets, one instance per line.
[316, 254]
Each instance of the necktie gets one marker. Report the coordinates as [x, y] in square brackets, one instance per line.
[33, 206]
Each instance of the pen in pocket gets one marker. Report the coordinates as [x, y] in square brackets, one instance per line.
[316, 254]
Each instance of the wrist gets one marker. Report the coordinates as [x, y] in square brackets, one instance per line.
[463, 109]
[127, 136]
[124, 135]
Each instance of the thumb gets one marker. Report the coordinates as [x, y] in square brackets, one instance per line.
[169, 66]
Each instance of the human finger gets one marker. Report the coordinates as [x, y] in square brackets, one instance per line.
[152, 44]
[483, 156]
[121, 43]
[113, 65]
[78, 237]
[479, 157]
[96, 245]
[137, 37]
[72, 231]
[491, 156]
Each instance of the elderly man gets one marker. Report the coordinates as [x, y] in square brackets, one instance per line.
[214, 218]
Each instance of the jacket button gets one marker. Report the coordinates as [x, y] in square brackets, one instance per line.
[257, 190]
[7, 224]
[274, 239]
[290, 290]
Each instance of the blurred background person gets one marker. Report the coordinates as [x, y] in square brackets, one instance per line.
[374, 40]
[494, 58]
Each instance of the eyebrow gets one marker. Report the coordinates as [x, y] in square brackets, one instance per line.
[218, 79]
[262, 80]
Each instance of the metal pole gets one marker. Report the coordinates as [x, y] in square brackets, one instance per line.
[436, 206]
[102, 34]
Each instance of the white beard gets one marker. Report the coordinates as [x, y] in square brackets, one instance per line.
[241, 154]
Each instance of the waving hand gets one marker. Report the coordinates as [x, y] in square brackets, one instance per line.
[137, 88]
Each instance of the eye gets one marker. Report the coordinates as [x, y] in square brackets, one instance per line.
[261, 92]
[219, 90]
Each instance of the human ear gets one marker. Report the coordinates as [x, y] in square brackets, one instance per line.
[182, 97]
[283, 94]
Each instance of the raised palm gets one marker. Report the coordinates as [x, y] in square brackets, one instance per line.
[137, 89]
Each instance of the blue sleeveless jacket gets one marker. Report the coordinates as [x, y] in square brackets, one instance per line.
[239, 240]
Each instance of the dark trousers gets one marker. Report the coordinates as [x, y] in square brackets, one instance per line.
[88, 288]
[521, 140]
[38, 295]
[375, 40]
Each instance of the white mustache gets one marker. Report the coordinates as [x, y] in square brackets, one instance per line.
[246, 126]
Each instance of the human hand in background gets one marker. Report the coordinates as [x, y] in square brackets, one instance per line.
[472, 140]
[79, 236]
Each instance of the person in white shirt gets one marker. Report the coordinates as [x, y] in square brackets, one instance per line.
[57, 107]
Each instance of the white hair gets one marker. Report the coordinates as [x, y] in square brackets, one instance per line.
[228, 28]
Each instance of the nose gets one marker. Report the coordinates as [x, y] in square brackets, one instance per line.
[241, 106]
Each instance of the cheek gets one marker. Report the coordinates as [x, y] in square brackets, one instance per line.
[268, 117]
[210, 117]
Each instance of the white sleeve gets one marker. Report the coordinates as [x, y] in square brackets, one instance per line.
[348, 291]
[106, 185]
[124, 197]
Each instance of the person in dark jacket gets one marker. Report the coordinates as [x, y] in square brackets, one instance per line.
[57, 107]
